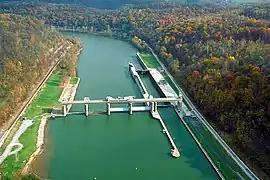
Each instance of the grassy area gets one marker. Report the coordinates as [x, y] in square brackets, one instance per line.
[74, 80]
[218, 155]
[43, 103]
[150, 60]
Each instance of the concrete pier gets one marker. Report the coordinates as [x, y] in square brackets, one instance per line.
[130, 108]
[64, 109]
[174, 152]
[137, 78]
[130, 100]
[86, 106]
[108, 108]
[86, 109]
[154, 109]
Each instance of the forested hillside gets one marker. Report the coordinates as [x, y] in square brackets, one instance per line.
[25, 55]
[258, 12]
[221, 58]
[102, 4]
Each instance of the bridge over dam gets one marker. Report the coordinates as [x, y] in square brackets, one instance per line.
[147, 103]
[129, 100]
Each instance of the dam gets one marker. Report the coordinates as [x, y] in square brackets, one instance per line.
[119, 146]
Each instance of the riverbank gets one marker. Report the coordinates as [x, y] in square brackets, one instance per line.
[68, 92]
[221, 159]
[41, 104]
[151, 64]
[12, 123]
[33, 138]
[39, 145]
[104, 34]
[126, 137]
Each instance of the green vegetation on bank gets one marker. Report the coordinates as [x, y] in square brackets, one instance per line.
[47, 98]
[220, 57]
[26, 53]
[149, 60]
[216, 152]
[74, 80]
[43, 103]
[219, 156]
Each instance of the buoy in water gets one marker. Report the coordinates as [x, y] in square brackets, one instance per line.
[95, 177]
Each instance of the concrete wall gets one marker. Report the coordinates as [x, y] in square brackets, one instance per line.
[141, 61]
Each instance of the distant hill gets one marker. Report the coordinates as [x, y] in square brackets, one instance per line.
[114, 4]
[102, 4]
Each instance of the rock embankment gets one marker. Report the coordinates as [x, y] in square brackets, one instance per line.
[39, 144]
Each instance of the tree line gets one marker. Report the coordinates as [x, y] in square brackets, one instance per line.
[221, 57]
[26, 54]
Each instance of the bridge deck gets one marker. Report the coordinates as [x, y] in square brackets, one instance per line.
[122, 101]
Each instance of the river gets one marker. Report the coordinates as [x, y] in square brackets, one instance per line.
[120, 146]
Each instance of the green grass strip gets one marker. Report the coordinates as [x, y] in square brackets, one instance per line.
[150, 60]
[43, 103]
[74, 80]
[204, 136]
[211, 146]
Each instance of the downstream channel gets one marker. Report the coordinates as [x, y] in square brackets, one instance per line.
[120, 146]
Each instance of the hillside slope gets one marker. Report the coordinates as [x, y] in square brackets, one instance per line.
[24, 57]
[220, 57]
[101, 4]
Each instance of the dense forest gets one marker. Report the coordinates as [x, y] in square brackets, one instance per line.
[220, 56]
[102, 4]
[26, 50]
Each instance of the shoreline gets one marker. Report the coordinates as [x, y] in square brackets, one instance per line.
[28, 101]
[92, 33]
[181, 118]
[41, 131]
[205, 123]
[39, 144]
[25, 168]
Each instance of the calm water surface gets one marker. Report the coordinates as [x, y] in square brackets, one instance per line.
[112, 147]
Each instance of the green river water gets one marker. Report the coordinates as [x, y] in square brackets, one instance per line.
[112, 147]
